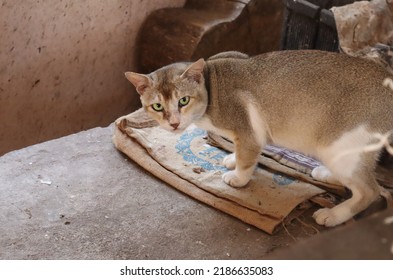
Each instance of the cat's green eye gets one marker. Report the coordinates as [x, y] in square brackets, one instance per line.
[157, 107]
[184, 101]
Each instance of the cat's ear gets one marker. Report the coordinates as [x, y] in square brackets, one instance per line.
[140, 81]
[195, 71]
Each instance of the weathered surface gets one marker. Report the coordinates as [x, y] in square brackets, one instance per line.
[77, 197]
[365, 30]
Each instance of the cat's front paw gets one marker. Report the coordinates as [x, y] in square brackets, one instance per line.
[233, 180]
[229, 161]
[329, 217]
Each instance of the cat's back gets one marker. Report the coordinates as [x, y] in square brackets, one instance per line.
[301, 66]
[315, 63]
[308, 82]
[305, 73]
[318, 75]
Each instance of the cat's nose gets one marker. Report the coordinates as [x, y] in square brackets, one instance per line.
[175, 125]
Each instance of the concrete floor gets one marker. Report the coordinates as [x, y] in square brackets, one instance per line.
[77, 197]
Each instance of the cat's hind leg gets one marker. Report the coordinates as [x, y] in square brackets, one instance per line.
[360, 179]
[364, 191]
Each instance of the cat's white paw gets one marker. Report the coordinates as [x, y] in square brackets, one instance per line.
[322, 174]
[233, 180]
[329, 217]
[229, 161]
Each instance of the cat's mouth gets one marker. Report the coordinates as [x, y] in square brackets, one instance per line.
[177, 130]
[176, 127]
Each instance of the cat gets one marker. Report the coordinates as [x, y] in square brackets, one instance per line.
[326, 105]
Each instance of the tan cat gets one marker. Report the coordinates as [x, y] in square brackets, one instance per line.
[326, 105]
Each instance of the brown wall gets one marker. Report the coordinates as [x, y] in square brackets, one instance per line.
[62, 65]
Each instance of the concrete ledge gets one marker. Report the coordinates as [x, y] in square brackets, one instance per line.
[77, 197]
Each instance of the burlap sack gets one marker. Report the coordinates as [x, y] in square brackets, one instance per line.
[191, 163]
[188, 163]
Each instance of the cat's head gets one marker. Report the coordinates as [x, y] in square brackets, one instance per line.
[175, 96]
